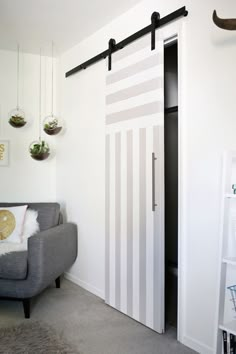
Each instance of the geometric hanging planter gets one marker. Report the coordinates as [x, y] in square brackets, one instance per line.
[17, 115]
[39, 150]
[51, 125]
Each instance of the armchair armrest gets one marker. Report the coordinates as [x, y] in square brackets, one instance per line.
[50, 253]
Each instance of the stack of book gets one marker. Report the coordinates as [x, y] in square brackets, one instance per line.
[229, 343]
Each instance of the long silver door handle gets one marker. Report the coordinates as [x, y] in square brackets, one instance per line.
[153, 182]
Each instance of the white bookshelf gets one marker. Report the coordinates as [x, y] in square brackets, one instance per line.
[227, 266]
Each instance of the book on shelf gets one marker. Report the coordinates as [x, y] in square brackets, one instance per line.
[232, 344]
[229, 343]
[225, 342]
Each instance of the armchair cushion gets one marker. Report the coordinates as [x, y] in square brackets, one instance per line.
[13, 265]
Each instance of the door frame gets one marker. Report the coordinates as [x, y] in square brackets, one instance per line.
[173, 32]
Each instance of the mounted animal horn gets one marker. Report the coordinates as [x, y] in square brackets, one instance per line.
[227, 24]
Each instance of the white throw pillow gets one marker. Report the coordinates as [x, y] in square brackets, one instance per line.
[31, 225]
[11, 223]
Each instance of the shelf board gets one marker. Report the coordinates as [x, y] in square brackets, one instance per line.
[230, 195]
[229, 327]
[229, 260]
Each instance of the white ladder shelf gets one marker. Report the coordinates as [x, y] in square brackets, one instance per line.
[227, 268]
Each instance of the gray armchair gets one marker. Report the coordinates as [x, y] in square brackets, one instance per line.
[51, 252]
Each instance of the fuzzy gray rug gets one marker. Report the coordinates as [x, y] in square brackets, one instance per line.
[33, 338]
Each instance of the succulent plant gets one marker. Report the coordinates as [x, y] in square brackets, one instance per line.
[52, 124]
[17, 120]
[39, 148]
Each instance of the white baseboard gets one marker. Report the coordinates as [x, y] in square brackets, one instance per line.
[197, 346]
[85, 285]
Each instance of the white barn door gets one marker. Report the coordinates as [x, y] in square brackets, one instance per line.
[135, 183]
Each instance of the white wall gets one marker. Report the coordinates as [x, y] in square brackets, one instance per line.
[208, 98]
[25, 179]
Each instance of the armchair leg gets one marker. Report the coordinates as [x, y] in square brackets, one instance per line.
[58, 283]
[26, 305]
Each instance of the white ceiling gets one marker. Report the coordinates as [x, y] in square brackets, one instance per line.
[34, 23]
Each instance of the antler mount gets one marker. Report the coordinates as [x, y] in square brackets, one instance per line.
[227, 24]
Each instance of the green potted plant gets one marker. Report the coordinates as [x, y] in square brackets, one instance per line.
[17, 120]
[39, 150]
[51, 125]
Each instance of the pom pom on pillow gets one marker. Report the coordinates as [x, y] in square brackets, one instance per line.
[31, 225]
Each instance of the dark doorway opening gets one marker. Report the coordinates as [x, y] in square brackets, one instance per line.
[171, 183]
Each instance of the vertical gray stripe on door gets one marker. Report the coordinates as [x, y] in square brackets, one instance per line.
[117, 219]
[107, 222]
[142, 224]
[130, 223]
[156, 248]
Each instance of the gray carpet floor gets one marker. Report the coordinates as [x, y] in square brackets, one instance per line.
[85, 322]
[33, 338]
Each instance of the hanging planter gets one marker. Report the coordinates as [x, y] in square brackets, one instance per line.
[39, 150]
[17, 118]
[51, 125]
[17, 115]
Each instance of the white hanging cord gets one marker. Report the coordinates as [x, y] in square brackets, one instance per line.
[52, 77]
[18, 73]
[40, 87]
